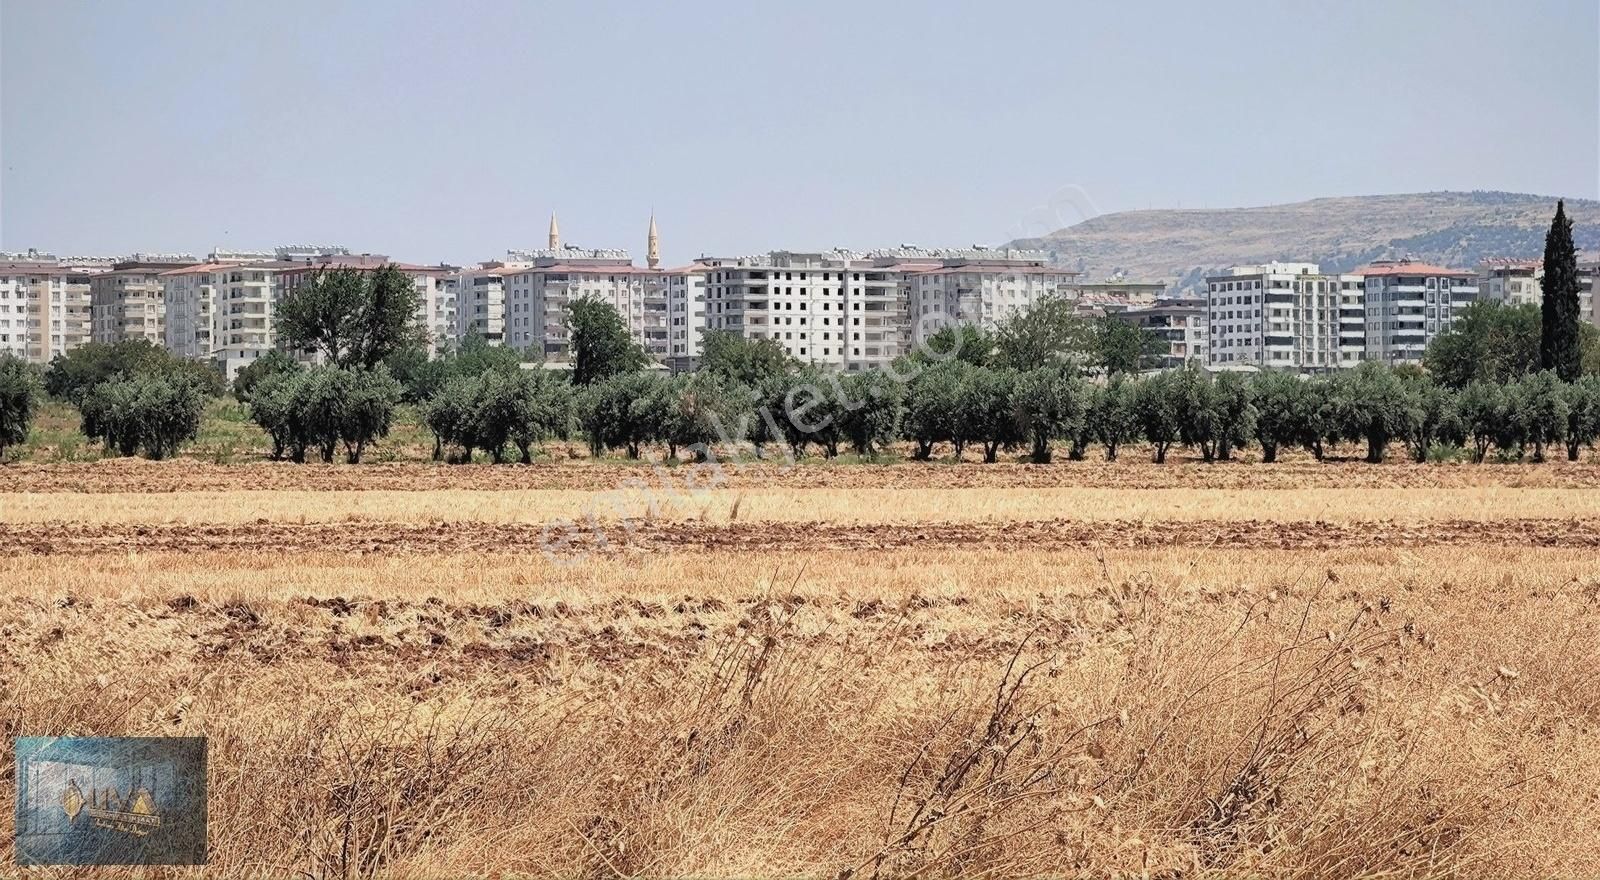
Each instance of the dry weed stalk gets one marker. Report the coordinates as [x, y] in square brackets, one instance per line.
[996, 765]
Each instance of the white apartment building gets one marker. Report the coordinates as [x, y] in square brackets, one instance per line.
[837, 308]
[309, 253]
[537, 296]
[861, 310]
[1180, 322]
[221, 312]
[1407, 304]
[1587, 273]
[1284, 316]
[686, 314]
[129, 301]
[983, 289]
[437, 294]
[481, 298]
[44, 308]
[1521, 282]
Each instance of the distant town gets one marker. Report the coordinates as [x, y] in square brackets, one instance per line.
[850, 310]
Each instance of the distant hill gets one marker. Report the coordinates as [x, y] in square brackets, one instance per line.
[1449, 228]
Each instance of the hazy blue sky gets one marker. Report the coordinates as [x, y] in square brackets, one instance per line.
[448, 131]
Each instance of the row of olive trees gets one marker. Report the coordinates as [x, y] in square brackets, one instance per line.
[1373, 406]
[146, 413]
[317, 410]
[130, 400]
[134, 396]
[497, 408]
[798, 409]
[962, 405]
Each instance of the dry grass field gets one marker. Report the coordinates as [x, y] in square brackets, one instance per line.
[1087, 669]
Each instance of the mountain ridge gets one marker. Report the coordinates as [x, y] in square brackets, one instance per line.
[1183, 245]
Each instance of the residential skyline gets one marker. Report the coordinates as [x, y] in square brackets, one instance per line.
[436, 132]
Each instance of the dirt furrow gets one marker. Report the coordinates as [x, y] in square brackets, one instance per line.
[78, 539]
[1133, 472]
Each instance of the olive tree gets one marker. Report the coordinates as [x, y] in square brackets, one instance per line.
[368, 409]
[19, 400]
[876, 407]
[989, 412]
[1158, 406]
[1051, 404]
[1280, 399]
[1583, 414]
[1480, 407]
[1544, 412]
[933, 407]
[1114, 413]
[147, 412]
[1372, 404]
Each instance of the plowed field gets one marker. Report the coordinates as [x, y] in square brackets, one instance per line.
[601, 669]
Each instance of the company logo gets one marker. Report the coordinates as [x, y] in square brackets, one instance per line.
[111, 800]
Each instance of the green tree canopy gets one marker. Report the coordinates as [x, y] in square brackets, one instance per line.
[73, 375]
[602, 347]
[353, 318]
[1045, 334]
[1488, 341]
[270, 364]
[146, 412]
[962, 342]
[1115, 347]
[19, 400]
[749, 362]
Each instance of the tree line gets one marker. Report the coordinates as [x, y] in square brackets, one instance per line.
[1515, 380]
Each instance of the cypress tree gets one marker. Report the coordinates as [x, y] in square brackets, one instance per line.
[1558, 344]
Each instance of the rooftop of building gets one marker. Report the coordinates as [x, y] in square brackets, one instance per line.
[360, 263]
[1508, 264]
[1172, 303]
[1385, 268]
[967, 267]
[229, 266]
[39, 270]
